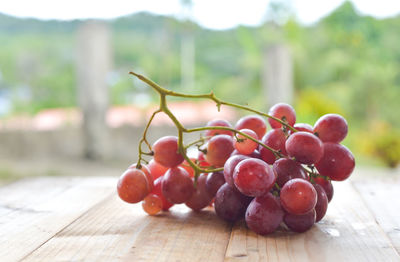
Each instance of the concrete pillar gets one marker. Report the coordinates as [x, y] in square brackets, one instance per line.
[94, 59]
[188, 62]
[187, 47]
[277, 75]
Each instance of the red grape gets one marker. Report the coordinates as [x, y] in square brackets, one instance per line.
[166, 151]
[218, 122]
[200, 198]
[133, 186]
[230, 204]
[235, 152]
[326, 185]
[244, 145]
[158, 191]
[337, 162]
[177, 186]
[152, 204]
[252, 122]
[303, 127]
[275, 139]
[305, 147]
[287, 169]
[331, 128]
[229, 167]
[146, 171]
[264, 214]
[322, 202]
[219, 149]
[300, 223]
[284, 112]
[156, 170]
[202, 160]
[298, 196]
[254, 154]
[253, 177]
[185, 165]
[214, 181]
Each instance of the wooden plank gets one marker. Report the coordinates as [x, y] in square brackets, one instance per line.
[382, 198]
[51, 219]
[28, 191]
[200, 236]
[32, 211]
[103, 233]
[23, 196]
[116, 231]
[348, 233]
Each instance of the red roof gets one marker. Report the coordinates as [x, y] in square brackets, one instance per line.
[188, 113]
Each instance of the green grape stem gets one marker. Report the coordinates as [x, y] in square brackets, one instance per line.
[144, 139]
[275, 152]
[163, 93]
[313, 174]
[199, 142]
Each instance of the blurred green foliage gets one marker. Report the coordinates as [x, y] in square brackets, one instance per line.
[346, 63]
[387, 148]
[380, 141]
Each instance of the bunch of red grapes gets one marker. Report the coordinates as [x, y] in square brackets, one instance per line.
[286, 178]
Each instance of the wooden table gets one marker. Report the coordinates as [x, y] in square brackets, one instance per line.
[82, 219]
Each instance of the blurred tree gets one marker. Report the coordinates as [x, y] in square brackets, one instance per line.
[346, 63]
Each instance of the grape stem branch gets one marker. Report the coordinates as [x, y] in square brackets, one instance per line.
[163, 93]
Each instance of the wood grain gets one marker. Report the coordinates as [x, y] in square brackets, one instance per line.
[382, 198]
[348, 233]
[116, 231]
[200, 236]
[82, 219]
[33, 211]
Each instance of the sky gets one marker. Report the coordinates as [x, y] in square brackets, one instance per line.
[215, 14]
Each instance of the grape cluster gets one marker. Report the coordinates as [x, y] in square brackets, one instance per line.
[278, 177]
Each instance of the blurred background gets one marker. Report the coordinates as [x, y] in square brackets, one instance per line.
[69, 107]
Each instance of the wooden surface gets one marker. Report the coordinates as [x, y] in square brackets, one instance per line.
[82, 219]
